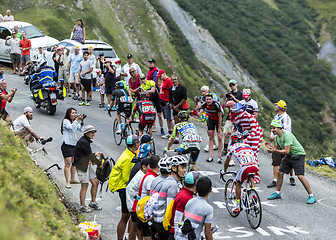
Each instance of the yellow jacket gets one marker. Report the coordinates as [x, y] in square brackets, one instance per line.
[119, 176]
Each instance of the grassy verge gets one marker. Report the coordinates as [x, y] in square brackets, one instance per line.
[29, 207]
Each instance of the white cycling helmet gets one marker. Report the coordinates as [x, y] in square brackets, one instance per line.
[164, 165]
[177, 160]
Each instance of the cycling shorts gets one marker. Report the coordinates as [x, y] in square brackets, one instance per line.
[193, 149]
[212, 124]
[244, 171]
[144, 123]
[125, 108]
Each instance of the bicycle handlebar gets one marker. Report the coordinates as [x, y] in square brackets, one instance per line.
[222, 174]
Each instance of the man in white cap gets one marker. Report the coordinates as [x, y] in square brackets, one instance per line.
[83, 160]
[126, 68]
[249, 103]
[22, 126]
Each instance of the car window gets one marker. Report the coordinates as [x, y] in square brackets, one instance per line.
[62, 44]
[4, 32]
[31, 31]
[108, 53]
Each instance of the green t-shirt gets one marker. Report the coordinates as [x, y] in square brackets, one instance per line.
[19, 36]
[286, 139]
[148, 85]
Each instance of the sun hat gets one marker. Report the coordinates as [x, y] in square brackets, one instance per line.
[89, 128]
[205, 88]
[237, 107]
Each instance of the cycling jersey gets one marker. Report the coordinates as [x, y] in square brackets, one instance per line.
[146, 110]
[187, 131]
[213, 109]
[2, 100]
[251, 105]
[157, 184]
[123, 100]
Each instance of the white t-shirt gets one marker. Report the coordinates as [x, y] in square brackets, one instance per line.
[146, 186]
[14, 44]
[21, 122]
[9, 18]
[251, 105]
[125, 69]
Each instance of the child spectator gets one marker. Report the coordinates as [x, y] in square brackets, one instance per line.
[101, 85]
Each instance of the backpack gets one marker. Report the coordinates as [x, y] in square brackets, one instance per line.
[330, 162]
[140, 209]
[150, 206]
[103, 174]
[168, 215]
[148, 111]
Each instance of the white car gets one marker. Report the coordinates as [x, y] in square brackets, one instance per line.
[98, 48]
[36, 36]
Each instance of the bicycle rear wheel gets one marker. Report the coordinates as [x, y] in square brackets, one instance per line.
[117, 137]
[253, 209]
[230, 197]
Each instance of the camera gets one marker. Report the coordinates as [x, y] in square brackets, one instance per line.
[84, 115]
[197, 99]
[228, 95]
[61, 64]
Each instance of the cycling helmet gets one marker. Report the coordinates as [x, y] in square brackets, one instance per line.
[143, 76]
[183, 115]
[119, 85]
[177, 160]
[164, 165]
[144, 95]
[236, 137]
[41, 62]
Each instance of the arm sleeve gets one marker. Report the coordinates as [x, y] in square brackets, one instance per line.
[173, 135]
[68, 125]
[155, 77]
[209, 216]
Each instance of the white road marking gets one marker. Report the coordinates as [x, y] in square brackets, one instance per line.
[262, 232]
[208, 173]
[240, 230]
[323, 204]
[290, 229]
[220, 204]
[268, 204]
[216, 190]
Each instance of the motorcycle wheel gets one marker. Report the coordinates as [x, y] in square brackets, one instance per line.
[51, 109]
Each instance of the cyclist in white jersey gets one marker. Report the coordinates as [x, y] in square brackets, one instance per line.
[248, 164]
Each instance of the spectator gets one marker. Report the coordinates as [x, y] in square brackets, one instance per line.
[145, 151]
[92, 59]
[14, 44]
[84, 74]
[285, 120]
[18, 34]
[69, 126]
[164, 103]
[126, 68]
[249, 103]
[1, 71]
[22, 127]
[72, 69]
[119, 178]
[4, 98]
[100, 62]
[235, 95]
[1, 18]
[78, 31]
[25, 46]
[287, 144]
[41, 54]
[83, 161]
[134, 83]
[56, 58]
[110, 80]
[153, 71]
[101, 85]
[63, 63]
[8, 16]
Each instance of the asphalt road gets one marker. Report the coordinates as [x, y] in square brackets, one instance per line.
[288, 218]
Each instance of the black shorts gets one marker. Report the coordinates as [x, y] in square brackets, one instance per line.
[134, 217]
[122, 196]
[109, 90]
[3, 114]
[163, 234]
[94, 82]
[144, 227]
[125, 108]
[157, 105]
[86, 84]
[212, 124]
[297, 163]
[276, 159]
[68, 150]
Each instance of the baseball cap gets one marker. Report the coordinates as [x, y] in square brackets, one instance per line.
[205, 88]
[76, 47]
[146, 138]
[281, 104]
[160, 73]
[192, 177]
[246, 92]
[145, 148]
[151, 60]
[276, 123]
[89, 128]
[101, 54]
[233, 81]
[132, 140]
[27, 109]
[145, 161]
[129, 56]
[108, 60]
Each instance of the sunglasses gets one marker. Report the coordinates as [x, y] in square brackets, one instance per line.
[232, 84]
[131, 71]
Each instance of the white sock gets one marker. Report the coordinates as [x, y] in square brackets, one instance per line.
[311, 195]
[274, 179]
[277, 192]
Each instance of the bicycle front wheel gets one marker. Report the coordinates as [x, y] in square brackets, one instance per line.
[230, 197]
[117, 137]
[253, 209]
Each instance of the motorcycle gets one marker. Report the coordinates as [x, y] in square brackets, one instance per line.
[46, 95]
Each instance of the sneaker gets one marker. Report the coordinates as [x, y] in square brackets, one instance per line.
[119, 129]
[231, 163]
[274, 196]
[210, 159]
[311, 200]
[80, 99]
[69, 94]
[100, 105]
[87, 104]
[85, 209]
[272, 184]
[292, 181]
[206, 149]
[176, 141]
[154, 128]
[114, 108]
[215, 147]
[162, 132]
[107, 108]
[165, 136]
[75, 97]
[95, 206]
[81, 103]
[236, 210]
[219, 160]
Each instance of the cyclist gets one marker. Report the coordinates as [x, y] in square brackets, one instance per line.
[122, 103]
[248, 164]
[190, 138]
[168, 192]
[147, 113]
[214, 123]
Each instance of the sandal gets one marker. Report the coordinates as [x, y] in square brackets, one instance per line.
[67, 186]
[74, 182]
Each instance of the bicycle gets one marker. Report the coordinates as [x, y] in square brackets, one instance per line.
[43, 142]
[250, 200]
[126, 129]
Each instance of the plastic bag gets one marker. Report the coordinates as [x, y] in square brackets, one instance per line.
[91, 229]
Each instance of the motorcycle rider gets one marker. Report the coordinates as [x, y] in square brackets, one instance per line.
[44, 75]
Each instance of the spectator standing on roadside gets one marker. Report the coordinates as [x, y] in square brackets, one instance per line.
[126, 68]
[83, 154]
[286, 122]
[250, 104]
[134, 83]
[119, 178]
[70, 124]
[56, 58]
[25, 46]
[64, 60]
[15, 52]
[41, 54]
[153, 71]
[72, 69]
[110, 80]
[18, 34]
[287, 144]
[78, 31]
[164, 103]
[100, 84]
[1, 71]
[92, 59]
[4, 98]
[100, 62]
[235, 95]
[8, 16]
[84, 74]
